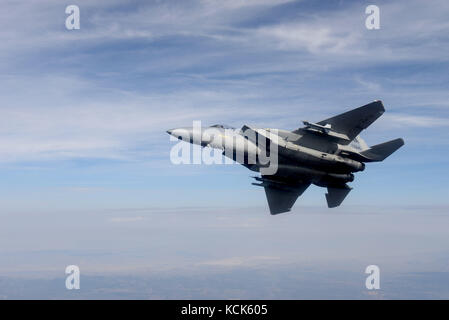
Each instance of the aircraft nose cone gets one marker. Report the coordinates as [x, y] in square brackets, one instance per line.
[181, 133]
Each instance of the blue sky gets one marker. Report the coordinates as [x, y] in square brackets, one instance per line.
[84, 112]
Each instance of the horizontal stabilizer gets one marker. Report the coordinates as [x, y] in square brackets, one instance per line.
[335, 196]
[381, 151]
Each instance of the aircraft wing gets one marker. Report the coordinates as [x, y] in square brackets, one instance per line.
[351, 123]
[344, 127]
[281, 195]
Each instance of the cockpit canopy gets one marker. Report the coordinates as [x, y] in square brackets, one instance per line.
[222, 126]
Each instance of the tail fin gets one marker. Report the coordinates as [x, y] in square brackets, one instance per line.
[380, 152]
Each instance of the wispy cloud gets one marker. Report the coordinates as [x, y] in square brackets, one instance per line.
[113, 87]
[242, 261]
[416, 121]
[126, 219]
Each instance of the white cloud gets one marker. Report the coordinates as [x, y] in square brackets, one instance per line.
[314, 38]
[407, 120]
[61, 114]
[368, 85]
[242, 261]
[67, 117]
[126, 219]
[217, 5]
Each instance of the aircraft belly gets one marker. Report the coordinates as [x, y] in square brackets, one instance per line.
[313, 175]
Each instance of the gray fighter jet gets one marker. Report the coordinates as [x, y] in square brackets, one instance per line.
[326, 153]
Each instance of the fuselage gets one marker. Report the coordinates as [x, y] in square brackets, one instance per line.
[323, 166]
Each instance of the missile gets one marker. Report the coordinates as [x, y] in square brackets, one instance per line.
[324, 129]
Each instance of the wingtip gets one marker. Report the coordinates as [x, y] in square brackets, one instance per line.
[400, 142]
[381, 104]
[276, 212]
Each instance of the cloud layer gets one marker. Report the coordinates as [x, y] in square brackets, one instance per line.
[132, 71]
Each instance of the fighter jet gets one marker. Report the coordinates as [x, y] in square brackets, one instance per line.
[326, 153]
